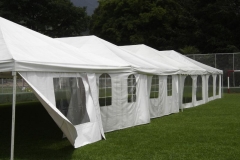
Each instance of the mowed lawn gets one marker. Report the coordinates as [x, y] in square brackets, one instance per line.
[210, 131]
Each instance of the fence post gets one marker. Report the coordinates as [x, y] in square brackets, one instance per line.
[233, 72]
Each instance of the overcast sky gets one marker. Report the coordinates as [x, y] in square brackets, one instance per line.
[90, 4]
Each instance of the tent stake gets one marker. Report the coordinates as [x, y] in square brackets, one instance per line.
[13, 113]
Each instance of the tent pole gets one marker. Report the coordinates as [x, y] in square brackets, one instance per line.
[181, 93]
[13, 113]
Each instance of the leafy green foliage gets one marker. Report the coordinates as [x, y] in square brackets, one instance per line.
[209, 26]
[55, 18]
[132, 22]
[189, 50]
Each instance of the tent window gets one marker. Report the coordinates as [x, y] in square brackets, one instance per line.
[105, 90]
[210, 86]
[187, 92]
[199, 88]
[154, 87]
[131, 88]
[217, 85]
[169, 85]
[71, 99]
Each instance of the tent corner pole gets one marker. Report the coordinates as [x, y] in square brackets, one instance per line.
[14, 74]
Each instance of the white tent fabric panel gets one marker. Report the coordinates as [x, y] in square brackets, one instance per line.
[22, 49]
[110, 51]
[186, 60]
[164, 104]
[121, 113]
[155, 56]
[78, 135]
[194, 90]
[219, 95]
[210, 87]
[94, 92]
[94, 45]
[172, 103]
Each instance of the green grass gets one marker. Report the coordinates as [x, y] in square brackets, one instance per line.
[232, 90]
[210, 131]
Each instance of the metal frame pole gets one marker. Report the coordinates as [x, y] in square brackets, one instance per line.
[13, 113]
[233, 72]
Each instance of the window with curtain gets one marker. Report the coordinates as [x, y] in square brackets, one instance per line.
[154, 93]
[70, 99]
[105, 90]
[131, 88]
[169, 85]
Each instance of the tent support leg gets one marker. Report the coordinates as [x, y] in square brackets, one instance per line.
[13, 113]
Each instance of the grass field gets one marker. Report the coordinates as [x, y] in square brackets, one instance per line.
[210, 131]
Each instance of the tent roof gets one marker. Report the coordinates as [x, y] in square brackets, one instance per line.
[110, 51]
[185, 67]
[22, 49]
[175, 55]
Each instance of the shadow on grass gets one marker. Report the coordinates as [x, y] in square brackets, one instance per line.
[36, 134]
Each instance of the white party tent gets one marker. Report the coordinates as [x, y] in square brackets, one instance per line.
[90, 86]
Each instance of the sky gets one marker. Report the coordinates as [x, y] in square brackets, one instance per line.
[90, 4]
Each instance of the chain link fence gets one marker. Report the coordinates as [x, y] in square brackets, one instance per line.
[225, 62]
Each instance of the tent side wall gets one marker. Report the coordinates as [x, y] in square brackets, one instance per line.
[210, 89]
[129, 101]
[167, 101]
[78, 134]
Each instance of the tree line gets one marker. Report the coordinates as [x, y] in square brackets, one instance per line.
[188, 26]
[55, 18]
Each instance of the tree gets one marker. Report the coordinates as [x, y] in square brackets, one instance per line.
[55, 18]
[154, 23]
[189, 50]
[217, 24]
[209, 26]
